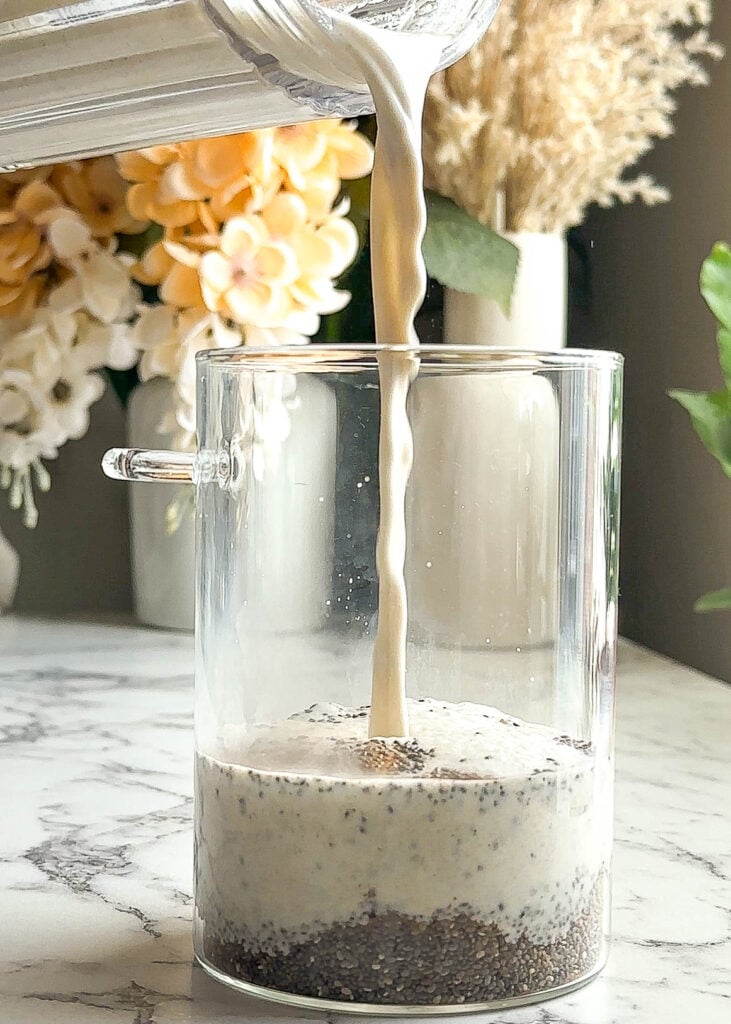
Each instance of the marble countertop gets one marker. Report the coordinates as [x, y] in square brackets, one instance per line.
[96, 841]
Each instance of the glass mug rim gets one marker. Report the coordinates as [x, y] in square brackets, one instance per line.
[334, 357]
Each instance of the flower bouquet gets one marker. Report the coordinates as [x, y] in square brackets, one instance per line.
[122, 268]
[153, 255]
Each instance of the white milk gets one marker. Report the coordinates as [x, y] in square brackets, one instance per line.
[397, 68]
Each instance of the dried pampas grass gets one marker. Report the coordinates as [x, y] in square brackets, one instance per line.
[557, 101]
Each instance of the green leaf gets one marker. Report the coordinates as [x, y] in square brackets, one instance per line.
[716, 290]
[724, 353]
[716, 283]
[462, 254]
[717, 601]
[711, 416]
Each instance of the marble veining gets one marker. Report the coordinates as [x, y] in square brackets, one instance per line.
[96, 841]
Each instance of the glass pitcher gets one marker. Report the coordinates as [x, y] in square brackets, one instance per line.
[466, 866]
[92, 76]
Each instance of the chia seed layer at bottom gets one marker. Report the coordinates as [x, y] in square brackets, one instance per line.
[391, 958]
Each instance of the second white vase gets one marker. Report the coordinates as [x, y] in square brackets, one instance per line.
[499, 589]
[538, 312]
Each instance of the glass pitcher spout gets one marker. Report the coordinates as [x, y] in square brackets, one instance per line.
[97, 76]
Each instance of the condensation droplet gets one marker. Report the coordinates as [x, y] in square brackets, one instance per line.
[328, 602]
[321, 498]
[517, 650]
[531, 679]
[367, 479]
[487, 639]
[428, 565]
[359, 485]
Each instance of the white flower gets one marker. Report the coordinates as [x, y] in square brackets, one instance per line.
[105, 283]
[37, 350]
[101, 344]
[100, 281]
[47, 383]
[70, 399]
[169, 340]
[68, 236]
[33, 352]
[47, 389]
[154, 334]
[28, 428]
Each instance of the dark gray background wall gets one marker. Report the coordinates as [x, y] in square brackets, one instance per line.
[77, 558]
[676, 532]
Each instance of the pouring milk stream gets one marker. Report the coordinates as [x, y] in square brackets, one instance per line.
[397, 68]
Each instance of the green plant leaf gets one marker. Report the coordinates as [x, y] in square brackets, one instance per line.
[711, 416]
[462, 254]
[724, 352]
[716, 283]
[717, 601]
[716, 290]
[710, 412]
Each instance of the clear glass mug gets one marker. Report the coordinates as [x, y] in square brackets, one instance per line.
[466, 866]
[80, 77]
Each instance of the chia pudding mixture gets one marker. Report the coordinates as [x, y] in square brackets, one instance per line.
[464, 864]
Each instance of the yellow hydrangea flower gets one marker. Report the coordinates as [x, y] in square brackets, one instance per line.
[98, 192]
[24, 249]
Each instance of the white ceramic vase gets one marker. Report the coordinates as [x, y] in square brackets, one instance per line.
[495, 585]
[163, 562]
[296, 576]
[538, 315]
[9, 572]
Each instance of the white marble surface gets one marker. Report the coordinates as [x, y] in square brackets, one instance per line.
[95, 843]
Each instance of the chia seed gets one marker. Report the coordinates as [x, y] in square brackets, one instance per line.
[399, 872]
[392, 959]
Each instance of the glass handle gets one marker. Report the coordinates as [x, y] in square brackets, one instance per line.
[141, 464]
